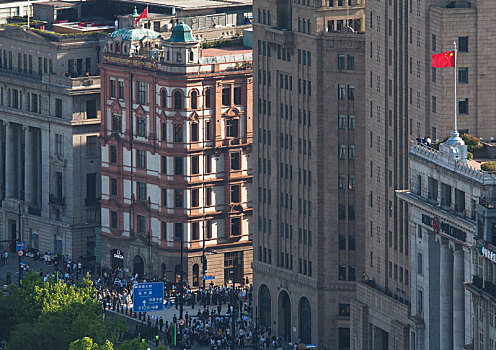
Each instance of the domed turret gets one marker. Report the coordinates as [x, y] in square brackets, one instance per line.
[181, 33]
[181, 47]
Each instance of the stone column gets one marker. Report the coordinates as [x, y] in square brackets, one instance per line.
[29, 169]
[458, 300]
[10, 162]
[446, 296]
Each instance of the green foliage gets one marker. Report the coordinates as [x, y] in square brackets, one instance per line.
[489, 166]
[474, 145]
[87, 343]
[133, 344]
[51, 315]
[357, 24]
[221, 43]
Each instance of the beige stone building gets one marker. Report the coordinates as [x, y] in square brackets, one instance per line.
[49, 124]
[406, 98]
[309, 132]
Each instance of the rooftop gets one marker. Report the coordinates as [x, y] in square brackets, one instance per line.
[226, 51]
[192, 4]
[59, 4]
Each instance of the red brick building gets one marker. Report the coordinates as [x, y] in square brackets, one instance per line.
[176, 139]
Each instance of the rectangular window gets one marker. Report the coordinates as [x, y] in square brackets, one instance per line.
[342, 121]
[178, 165]
[59, 145]
[463, 44]
[141, 221]
[341, 92]
[463, 75]
[237, 95]
[91, 146]
[342, 273]
[463, 106]
[141, 127]
[142, 191]
[141, 159]
[178, 198]
[116, 123]
[235, 226]
[58, 108]
[419, 263]
[113, 219]
[195, 198]
[351, 122]
[178, 231]
[195, 165]
[112, 88]
[121, 90]
[91, 112]
[226, 96]
[141, 92]
[113, 154]
[235, 193]
[341, 61]
[351, 62]
[235, 161]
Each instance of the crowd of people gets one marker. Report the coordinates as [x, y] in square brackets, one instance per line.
[218, 317]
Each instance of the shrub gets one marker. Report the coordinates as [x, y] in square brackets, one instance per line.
[489, 166]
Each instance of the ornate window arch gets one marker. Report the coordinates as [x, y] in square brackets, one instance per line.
[178, 100]
[194, 99]
[163, 98]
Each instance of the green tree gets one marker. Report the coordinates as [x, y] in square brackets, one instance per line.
[50, 315]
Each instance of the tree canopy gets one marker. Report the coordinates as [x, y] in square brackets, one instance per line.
[51, 315]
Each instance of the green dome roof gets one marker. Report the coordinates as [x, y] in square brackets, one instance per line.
[181, 33]
[134, 33]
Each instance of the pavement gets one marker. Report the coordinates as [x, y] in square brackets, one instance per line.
[12, 266]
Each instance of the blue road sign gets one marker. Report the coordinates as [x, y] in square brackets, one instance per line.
[20, 246]
[148, 296]
[168, 304]
[205, 277]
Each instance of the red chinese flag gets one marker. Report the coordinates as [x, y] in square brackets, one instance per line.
[143, 15]
[444, 59]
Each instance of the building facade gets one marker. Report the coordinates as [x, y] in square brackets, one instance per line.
[50, 159]
[309, 128]
[176, 169]
[406, 98]
[443, 202]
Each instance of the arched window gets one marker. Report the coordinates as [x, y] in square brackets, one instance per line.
[285, 315]
[178, 100]
[208, 98]
[196, 275]
[194, 99]
[163, 98]
[264, 305]
[191, 56]
[305, 318]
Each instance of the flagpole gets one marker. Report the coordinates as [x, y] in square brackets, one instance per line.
[455, 130]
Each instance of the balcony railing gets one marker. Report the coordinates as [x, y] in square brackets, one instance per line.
[487, 203]
[484, 285]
